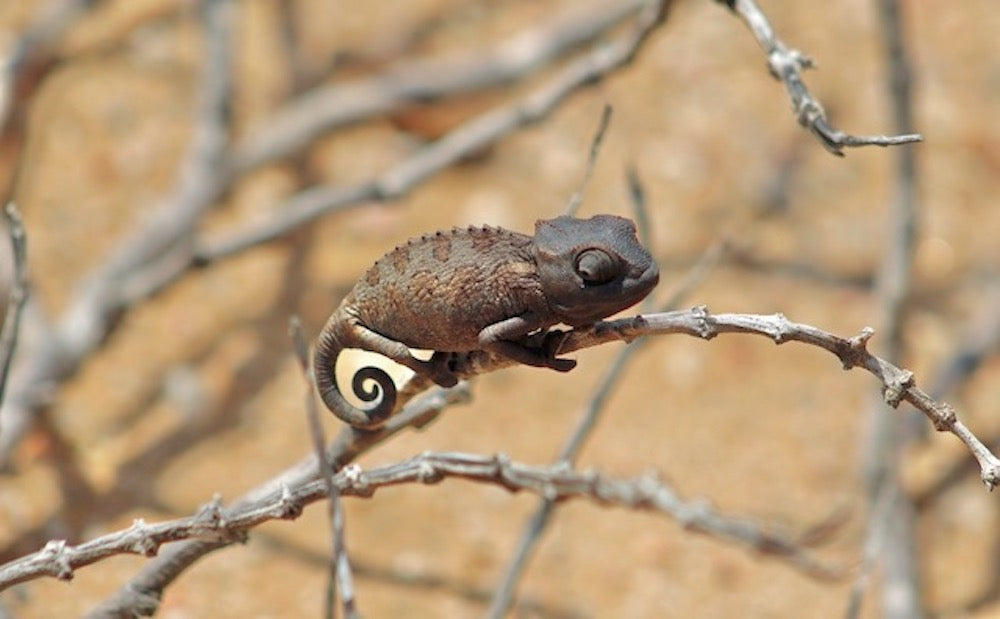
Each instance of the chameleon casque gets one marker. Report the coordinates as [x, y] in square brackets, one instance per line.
[479, 288]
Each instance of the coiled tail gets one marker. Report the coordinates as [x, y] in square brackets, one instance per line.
[328, 347]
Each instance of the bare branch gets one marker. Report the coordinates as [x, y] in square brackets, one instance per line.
[878, 521]
[898, 385]
[150, 582]
[460, 142]
[558, 482]
[18, 291]
[32, 50]
[341, 567]
[787, 65]
[595, 148]
[883, 449]
[297, 125]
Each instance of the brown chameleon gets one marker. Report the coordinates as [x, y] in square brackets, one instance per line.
[479, 288]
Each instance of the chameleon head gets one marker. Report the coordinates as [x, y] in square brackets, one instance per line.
[592, 268]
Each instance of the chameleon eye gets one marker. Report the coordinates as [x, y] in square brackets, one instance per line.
[596, 267]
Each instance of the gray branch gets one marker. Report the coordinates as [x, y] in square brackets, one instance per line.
[786, 65]
[18, 292]
[215, 524]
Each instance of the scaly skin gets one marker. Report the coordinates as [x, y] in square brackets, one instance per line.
[479, 288]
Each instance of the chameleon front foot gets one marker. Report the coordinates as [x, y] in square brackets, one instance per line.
[441, 369]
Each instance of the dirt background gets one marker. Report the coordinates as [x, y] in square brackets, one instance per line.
[196, 392]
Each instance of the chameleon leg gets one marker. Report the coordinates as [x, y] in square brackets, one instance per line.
[499, 338]
[436, 369]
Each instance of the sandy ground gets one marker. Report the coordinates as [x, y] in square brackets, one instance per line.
[196, 392]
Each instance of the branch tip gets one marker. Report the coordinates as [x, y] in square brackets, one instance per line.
[991, 476]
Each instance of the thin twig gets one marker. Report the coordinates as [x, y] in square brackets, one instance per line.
[883, 449]
[151, 581]
[878, 520]
[595, 148]
[18, 291]
[341, 567]
[219, 525]
[640, 209]
[898, 385]
[32, 49]
[787, 65]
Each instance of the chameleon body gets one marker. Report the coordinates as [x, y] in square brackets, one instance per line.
[479, 288]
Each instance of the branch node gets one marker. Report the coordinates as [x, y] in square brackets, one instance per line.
[782, 328]
[944, 417]
[896, 386]
[856, 351]
[703, 319]
[210, 514]
[427, 473]
[144, 544]
[356, 481]
[287, 508]
[55, 550]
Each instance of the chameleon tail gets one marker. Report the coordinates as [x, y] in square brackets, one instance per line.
[328, 348]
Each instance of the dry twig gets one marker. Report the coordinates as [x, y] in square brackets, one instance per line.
[883, 455]
[296, 125]
[898, 385]
[18, 291]
[787, 65]
[341, 567]
[559, 482]
[595, 148]
[468, 138]
[148, 584]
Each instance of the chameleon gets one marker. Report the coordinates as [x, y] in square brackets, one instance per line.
[479, 288]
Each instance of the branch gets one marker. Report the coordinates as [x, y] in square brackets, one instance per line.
[470, 137]
[148, 584]
[18, 292]
[298, 124]
[32, 51]
[558, 482]
[787, 65]
[898, 385]
[341, 568]
[883, 448]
